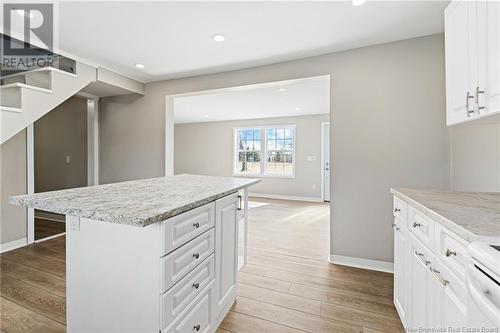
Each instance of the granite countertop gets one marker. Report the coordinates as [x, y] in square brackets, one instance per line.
[471, 215]
[137, 203]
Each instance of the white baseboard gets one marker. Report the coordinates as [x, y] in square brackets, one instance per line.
[284, 197]
[374, 265]
[13, 245]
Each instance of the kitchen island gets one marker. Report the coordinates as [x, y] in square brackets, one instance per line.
[150, 255]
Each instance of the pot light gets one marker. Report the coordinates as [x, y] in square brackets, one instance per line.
[219, 38]
[141, 66]
[357, 3]
[282, 89]
[297, 109]
[206, 116]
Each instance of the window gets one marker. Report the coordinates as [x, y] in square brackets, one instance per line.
[265, 151]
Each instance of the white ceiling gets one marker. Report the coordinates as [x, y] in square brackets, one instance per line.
[173, 39]
[301, 97]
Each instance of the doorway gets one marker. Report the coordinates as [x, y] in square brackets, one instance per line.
[325, 161]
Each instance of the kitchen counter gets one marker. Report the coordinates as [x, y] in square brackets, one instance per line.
[471, 215]
[137, 203]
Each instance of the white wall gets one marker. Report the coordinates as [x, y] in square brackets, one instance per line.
[388, 107]
[207, 149]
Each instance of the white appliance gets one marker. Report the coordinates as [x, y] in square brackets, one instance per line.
[483, 287]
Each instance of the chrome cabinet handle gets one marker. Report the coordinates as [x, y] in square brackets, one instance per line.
[438, 275]
[395, 226]
[196, 327]
[478, 108]
[240, 203]
[450, 253]
[397, 210]
[469, 96]
[196, 255]
[415, 224]
[196, 225]
[196, 285]
[421, 257]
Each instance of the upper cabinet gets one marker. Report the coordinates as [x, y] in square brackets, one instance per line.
[472, 42]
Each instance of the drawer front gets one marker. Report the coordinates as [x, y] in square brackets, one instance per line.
[422, 227]
[453, 251]
[400, 209]
[174, 301]
[196, 318]
[180, 229]
[179, 263]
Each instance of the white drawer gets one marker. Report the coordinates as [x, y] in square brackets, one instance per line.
[177, 264]
[421, 226]
[196, 318]
[177, 298]
[400, 209]
[452, 251]
[180, 229]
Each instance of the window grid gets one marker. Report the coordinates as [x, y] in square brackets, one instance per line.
[267, 151]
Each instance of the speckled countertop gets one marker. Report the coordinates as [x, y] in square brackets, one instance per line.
[471, 215]
[137, 203]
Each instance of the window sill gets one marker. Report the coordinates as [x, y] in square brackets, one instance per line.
[246, 175]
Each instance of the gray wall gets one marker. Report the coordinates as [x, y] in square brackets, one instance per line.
[212, 142]
[61, 132]
[475, 156]
[13, 182]
[388, 111]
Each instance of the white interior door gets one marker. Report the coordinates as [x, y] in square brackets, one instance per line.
[326, 160]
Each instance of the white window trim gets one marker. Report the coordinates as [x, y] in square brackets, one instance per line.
[263, 150]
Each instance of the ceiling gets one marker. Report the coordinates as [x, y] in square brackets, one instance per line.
[279, 99]
[174, 39]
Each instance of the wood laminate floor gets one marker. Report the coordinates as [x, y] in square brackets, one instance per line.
[287, 286]
[46, 228]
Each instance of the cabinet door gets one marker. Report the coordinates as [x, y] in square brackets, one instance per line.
[226, 253]
[493, 42]
[401, 257]
[420, 304]
[460, 55]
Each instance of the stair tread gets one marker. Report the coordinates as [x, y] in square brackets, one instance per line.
[43, 69]
[23, 85]
[10, 109]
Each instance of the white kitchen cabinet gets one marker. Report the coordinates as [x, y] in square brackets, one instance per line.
[226, 254]
[400, 270]
[472, 60]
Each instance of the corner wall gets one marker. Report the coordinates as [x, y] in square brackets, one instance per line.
[388, 113]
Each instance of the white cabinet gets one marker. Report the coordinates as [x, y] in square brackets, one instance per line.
[472, 60]
[400, 270]
[429, 284]
[226, 254]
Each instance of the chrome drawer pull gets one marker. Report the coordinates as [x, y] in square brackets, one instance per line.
[196, 225]
[468, 112]
[395, 226]
[196, 255]
[450, 253]
[397, 210]
[479, 108]
[196, 327]
[421, 257]
[437, 274]
[415, 224]
[196, 285]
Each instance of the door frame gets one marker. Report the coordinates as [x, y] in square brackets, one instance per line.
[92, 160]
[323, 146]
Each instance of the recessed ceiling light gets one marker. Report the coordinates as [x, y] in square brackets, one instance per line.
[141, 66]
[219, 38]
[206, 116]
[358, 2]
[282, 89]
[297, 109]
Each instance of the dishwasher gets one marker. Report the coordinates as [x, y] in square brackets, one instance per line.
[483, 287]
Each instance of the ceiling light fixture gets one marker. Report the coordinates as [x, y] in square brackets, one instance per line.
[297, 109]
[206, 116]
[282, 89]
[357, 3]
[219, 38]
[141, 66]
